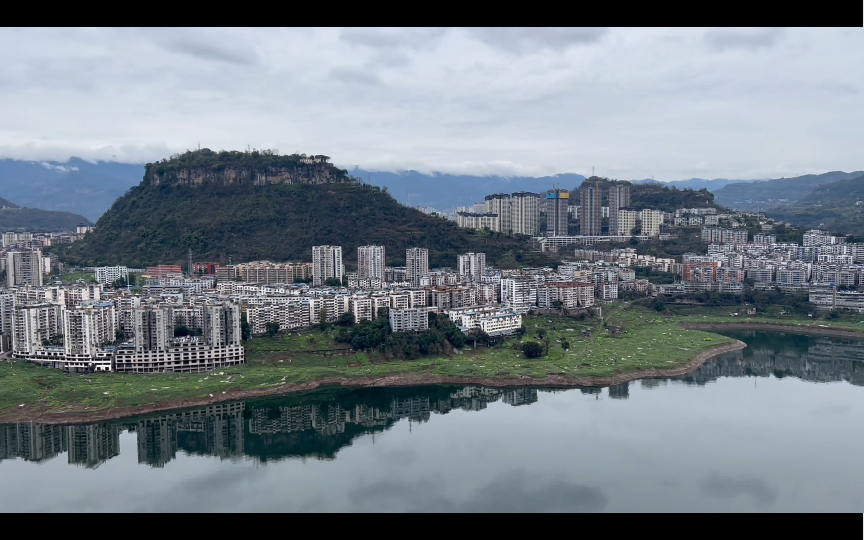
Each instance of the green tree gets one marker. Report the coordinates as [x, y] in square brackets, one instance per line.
[245, 329]
[532, 349]
[333, 282]
[272, 328]
[322, 320]
[346, 319]
[565, 344]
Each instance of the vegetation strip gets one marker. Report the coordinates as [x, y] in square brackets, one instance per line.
[410, 379]
[776, 327]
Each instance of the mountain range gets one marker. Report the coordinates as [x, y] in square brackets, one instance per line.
[227, 206]
[89, 189]
[75, 186]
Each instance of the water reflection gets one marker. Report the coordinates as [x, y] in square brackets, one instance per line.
[319, 425]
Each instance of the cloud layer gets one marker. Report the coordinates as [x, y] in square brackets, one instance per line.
[634, 103]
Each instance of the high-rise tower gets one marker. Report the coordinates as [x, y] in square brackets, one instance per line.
[590, 211]
[556, 211]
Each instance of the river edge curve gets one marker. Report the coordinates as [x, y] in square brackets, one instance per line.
[402, 380]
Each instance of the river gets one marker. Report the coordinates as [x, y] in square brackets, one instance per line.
[774, 427]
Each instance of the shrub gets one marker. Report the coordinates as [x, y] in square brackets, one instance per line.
[532, 349]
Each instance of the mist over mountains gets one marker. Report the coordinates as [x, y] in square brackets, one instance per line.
[89, 189]
[75, 186]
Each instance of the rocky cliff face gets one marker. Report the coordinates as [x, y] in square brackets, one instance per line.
[311, 173]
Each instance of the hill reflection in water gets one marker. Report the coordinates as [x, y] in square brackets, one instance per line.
[319, 425]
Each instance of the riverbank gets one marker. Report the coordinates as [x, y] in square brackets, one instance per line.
[585, 350]
[45, 415]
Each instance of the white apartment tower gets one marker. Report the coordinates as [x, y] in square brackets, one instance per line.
[222, 324]
[24, 267]
[154, 328]
[500, 204]
[416, 264]
[326, 264]
[370, 262]
[652, 220]
[86, 328]
[472, 266]
[619, 197]
[525, 213]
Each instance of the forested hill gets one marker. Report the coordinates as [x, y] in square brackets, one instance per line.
[281, 222]
[206, 167]
[38, 220]
[653, 195]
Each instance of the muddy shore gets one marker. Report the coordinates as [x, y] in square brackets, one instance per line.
[34, 414]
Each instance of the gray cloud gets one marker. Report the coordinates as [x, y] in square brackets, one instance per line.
[355, 76]
[752, 39]
[390, 38]
[633, 102]
[521, 40]
[213, 52]
[728, 487]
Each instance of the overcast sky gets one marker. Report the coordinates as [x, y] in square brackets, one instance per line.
[634, 103]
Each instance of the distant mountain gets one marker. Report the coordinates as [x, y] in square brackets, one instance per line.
[776, 193]
[836, 206]
[13, 216]
[76, 186]
[445, 192]
[252, 206]
[711, 185]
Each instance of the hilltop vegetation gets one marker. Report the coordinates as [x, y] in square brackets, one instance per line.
[778, 192]
[280, 222]
[653, 195]
[13, 216]
[828, 206]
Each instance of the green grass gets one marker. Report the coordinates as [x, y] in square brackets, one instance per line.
[72, 277]
[648, 341]
[846, 321]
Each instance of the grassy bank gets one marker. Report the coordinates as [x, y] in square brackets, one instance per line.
[695, 314]
[648, 341]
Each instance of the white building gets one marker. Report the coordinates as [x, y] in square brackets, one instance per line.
[410, 319]
[525, 213]
[24, 267]
[106, 275]
[371, 262]
[500, 205]
[519, 294]
[626, 222]
[326, 264]
[416, 265]
[651, 222]
[472, 266]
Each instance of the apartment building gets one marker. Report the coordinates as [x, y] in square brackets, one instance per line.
[525, 212]
[24, 267]
[619, 197]
[590, 210]
[557, 201]
[519, 294]
[652, 220]
[416, 265]
[472, 266]
[500, 204]
[326, 264]
[409, 319]
[371, 261]
[106, 275]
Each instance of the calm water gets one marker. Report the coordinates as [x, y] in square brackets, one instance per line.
[776, 427]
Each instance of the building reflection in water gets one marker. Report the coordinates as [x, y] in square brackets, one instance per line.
[320, 425]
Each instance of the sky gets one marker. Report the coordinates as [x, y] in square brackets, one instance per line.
[629, 103]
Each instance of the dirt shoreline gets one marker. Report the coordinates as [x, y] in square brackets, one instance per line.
[408, 379]
[775, 327]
